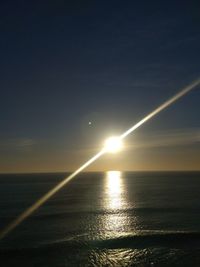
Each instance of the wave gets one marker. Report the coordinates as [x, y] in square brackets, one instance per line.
[59, 215]
[143, 240]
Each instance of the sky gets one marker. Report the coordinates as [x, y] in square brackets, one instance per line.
[75, 72]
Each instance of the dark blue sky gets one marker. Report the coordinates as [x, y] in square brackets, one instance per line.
[65, 63]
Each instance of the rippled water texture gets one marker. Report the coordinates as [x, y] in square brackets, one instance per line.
[103, 219]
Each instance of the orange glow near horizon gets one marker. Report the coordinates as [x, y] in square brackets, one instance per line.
[54, 190]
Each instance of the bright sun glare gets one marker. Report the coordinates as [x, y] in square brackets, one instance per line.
[113, 144]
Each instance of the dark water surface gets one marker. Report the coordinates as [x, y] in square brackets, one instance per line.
[103, 219]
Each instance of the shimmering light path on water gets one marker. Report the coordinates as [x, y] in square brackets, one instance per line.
[42, 200]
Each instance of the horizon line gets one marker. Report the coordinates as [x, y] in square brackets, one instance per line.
[62, 172]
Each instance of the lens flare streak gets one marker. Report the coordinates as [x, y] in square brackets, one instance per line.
[49, 194]
[162, 107]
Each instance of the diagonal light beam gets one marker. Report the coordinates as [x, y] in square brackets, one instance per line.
[54, 190]
[161, 107]
[49, 194]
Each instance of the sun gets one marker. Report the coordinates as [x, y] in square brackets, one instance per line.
[113, 144]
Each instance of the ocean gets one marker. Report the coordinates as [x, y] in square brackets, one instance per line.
[103, 219]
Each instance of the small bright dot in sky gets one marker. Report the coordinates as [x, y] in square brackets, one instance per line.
[113, 144]
[89, 122]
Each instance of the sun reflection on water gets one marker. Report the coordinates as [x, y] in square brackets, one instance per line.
[113, 190]
[114, 203]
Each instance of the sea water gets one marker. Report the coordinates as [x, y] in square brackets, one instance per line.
[103, 219]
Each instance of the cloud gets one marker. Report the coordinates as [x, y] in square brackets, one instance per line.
[173, 138]
[17, 144]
